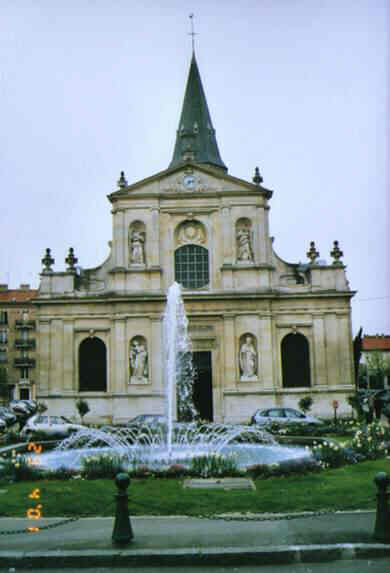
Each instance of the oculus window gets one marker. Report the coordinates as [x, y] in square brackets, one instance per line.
[192, 266]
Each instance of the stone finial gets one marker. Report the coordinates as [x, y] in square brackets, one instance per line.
[312, 254]
[122, 181]
[336, 253]
[47, 262]
[257, 179]
[71, 261]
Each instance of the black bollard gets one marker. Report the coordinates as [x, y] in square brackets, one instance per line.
[122, 532]
[382, 523]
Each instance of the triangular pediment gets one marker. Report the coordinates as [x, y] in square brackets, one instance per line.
[189, 178]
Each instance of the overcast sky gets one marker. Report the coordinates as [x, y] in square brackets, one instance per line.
[298, 87]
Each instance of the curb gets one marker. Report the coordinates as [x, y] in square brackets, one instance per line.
[273, 555]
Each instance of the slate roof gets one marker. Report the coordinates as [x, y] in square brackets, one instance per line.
[195, 137]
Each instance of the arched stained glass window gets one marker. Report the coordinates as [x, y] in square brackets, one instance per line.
[192, 266]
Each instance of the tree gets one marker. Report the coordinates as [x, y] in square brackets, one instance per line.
[305, 403]
[3, 384]
[83, 408]
[378, 367]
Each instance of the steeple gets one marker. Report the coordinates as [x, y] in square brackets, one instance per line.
[195, 139]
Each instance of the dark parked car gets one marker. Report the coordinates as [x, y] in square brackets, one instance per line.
[283, 416]
[7, 415]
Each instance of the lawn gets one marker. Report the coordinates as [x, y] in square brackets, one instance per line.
[349, 487]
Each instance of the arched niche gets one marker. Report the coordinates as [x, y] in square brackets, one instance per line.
[244, 240]
[295, 361]
[137, 243]
[248, 357]
[92, 365]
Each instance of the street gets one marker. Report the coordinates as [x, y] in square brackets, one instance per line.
[341, 566]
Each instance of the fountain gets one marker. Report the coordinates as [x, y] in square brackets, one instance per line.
[160, 446]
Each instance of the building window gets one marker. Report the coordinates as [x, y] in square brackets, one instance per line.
[3, 317]
[295, 361]
[3, 336]
[192, 266]
[24, 393]
[92, 365]
[24, 373]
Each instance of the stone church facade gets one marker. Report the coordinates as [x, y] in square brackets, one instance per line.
[264, 332]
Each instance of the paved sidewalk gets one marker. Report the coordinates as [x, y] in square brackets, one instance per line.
[192, 541]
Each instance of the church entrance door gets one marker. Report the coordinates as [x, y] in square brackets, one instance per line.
[203, 388]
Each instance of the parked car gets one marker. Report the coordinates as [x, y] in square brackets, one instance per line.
[283, 416]
[21, 407]
[7, 416]
[147, 420]
[49, 426]
[3, 425]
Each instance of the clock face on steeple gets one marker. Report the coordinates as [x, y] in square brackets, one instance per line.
[189, 181]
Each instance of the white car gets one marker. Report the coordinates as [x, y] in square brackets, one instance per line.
[49, 426]
[283, 416]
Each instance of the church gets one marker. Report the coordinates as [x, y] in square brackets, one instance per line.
[264, 332]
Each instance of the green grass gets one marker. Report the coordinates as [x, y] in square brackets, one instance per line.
[350, 487]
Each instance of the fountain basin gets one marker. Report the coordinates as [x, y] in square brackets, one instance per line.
[157, 458]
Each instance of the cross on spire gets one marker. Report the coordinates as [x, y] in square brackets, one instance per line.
[192, 33]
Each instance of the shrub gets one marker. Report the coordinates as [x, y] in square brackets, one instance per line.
[17, 468]
[82, 408]
[305, 403]
[101, 466]
[371, 441]
[332, 455]
[214, 465]
[283, 468]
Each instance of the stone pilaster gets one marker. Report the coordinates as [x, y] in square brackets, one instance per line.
[227, 235]
[156, 366]
[57, 357]
[229, 348]
[70, 377]
[319, 376]
[119, 368]
[44, 356]
[332, 349]
[266, 373]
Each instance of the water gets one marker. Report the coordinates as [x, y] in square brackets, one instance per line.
[164, 444]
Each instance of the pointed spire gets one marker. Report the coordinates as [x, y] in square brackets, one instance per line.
[195, 139]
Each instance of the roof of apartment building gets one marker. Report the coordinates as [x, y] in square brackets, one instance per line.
[22, 294]
[376, 342]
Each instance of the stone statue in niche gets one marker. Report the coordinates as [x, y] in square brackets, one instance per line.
[244, 246]
[137, 247]
[138, 361]
[248, 358]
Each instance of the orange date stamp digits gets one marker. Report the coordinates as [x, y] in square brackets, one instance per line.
[34, 512]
